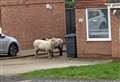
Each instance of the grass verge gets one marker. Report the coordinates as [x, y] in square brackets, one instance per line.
[110, 71]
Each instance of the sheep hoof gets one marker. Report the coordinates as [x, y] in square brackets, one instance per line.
[49, 57]
[35, 56]
[52, 56]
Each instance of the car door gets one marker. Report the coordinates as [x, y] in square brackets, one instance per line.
[3, 44]
[93, 20]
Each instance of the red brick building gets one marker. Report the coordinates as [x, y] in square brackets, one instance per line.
[98, 28]
[97, 24]
[28, 20]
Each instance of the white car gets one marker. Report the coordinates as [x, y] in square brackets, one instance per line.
[97, 23]
[97, 20]
[8, 45]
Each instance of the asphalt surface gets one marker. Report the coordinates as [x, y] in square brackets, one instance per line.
[10, 79]
[17, 79]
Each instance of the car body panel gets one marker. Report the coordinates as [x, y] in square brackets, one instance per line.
[6, 42]
[95, 22]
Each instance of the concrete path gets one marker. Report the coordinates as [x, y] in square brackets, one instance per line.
[21, 65]
[26, 53]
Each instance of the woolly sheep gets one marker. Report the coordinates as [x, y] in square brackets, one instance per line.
[44, 45]
[58, 44]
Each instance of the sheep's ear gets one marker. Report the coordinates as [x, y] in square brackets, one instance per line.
[45, 39]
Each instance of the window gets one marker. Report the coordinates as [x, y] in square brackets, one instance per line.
[113, 1]
[98, 26]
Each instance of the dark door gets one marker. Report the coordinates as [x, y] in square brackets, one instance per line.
[70, 16]
[70, 29]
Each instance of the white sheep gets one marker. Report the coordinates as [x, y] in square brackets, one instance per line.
[58, 44]
[44, 45]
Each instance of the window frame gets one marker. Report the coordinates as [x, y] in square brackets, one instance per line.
[109, 27]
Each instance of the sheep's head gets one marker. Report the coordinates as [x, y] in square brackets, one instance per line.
[53, 41]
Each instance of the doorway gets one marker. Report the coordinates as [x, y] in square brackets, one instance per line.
[70, 16]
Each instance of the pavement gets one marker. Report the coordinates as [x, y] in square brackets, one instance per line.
[26, 62]
[27, 53]
[13, 66]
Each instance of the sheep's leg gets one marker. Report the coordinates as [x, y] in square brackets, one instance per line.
[49, 54]
[36, 52]
[60, 50]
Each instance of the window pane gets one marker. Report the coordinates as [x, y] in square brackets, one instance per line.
[98, 23]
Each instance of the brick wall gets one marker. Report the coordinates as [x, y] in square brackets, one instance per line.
[90, 3]
[28, 20]
[86, 48]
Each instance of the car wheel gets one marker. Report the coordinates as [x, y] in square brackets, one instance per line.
[13, 49]
[102, 26]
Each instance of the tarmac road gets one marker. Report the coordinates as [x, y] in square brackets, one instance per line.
[16, 79]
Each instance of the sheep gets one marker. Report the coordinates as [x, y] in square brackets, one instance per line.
[58, 44]
[44, 45]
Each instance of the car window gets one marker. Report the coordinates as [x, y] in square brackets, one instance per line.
[93, 14]
[2, 36]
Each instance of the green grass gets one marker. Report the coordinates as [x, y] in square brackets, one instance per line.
[110, 71]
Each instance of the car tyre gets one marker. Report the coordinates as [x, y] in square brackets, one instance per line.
[13, 49]
[102, 26]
